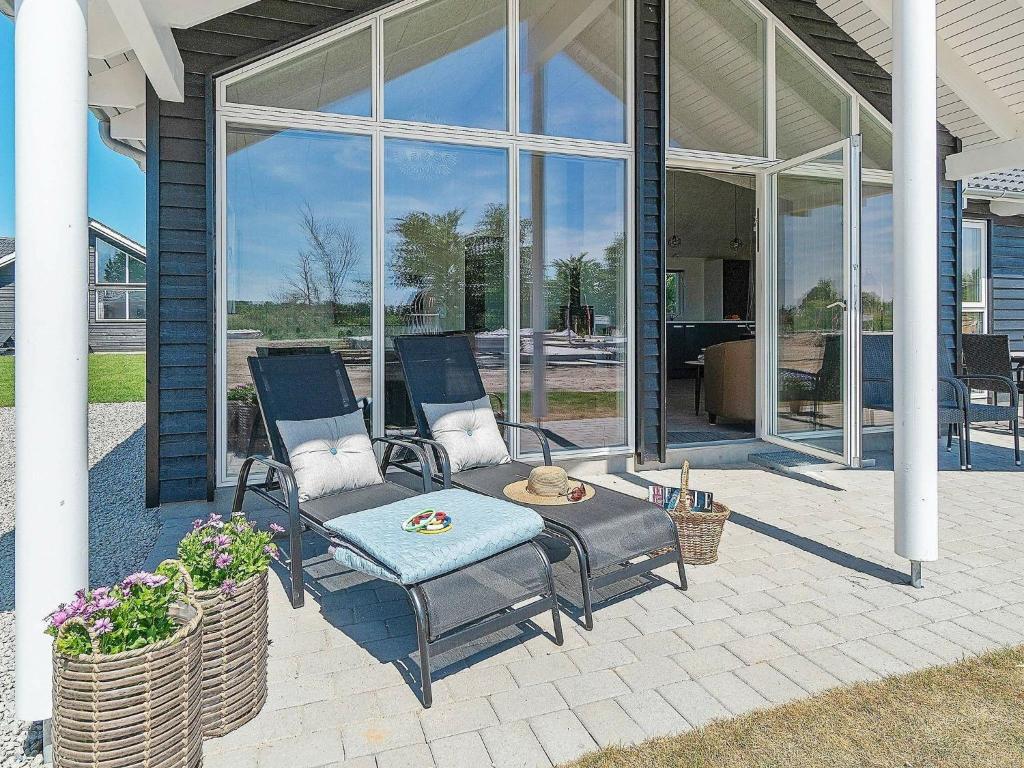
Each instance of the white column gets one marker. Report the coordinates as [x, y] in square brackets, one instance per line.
[916, 281]
[51, 322]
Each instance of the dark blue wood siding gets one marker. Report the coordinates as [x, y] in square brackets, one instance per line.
[1006, 272]
[650, 229]
[181, 341]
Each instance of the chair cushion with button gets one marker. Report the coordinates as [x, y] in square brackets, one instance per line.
[330, 455]
[468, 433]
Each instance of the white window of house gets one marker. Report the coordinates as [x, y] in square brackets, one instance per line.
[368, 183]
[974, 277]
[117, 274]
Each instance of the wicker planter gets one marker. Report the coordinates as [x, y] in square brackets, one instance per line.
[699, 532]
[140, 708]
[234, 655]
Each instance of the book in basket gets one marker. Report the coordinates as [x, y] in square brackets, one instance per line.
[668, 498]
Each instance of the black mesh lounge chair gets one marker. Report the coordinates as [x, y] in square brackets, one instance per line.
[458, 607]
[606, 532]
[988, 367]
[876, 371]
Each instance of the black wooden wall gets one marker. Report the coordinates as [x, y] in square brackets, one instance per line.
[840, 51]
[650, 229]
[1006, 272]
[180, 375]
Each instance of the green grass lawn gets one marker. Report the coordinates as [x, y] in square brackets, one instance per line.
[112, 379]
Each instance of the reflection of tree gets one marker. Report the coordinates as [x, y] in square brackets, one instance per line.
[431, 256]
[876, 312]
[581, 280]
[812, 314]
[334, 251]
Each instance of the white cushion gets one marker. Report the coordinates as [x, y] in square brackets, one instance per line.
[468, 432]
[330, 455]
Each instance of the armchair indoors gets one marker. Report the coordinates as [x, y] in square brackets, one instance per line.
[729, 370]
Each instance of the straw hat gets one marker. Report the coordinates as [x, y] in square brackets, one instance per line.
[546, 486]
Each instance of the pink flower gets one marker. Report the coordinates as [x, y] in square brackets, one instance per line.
[223, 560]
[77, 606]
[100, 592]
[222, 541]
[277, 528]
[106, 604]
[102, 626]
[197, 524]
[271, 551]
[228, 587]
[154, 580]
[58, 618]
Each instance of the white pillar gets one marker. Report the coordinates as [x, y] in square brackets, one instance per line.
[51, 323]
[915, 182]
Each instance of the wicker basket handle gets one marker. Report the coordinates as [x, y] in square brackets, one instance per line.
[684, 486]
[183, 575]
[94, 639]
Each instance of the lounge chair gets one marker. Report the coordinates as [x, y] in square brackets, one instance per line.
[608, 533]
[988, 367]
[498, 579]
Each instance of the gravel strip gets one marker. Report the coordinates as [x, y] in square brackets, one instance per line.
[121, 534]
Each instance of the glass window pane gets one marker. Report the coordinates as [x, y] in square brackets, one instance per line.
[445, 63]
[111, 263]
[446, 254]
[876, 258]
[136, 270]
[876, 151]
[573, 69]
[716, 76]
[972, 322]
[111, 305]
[972, 278]
[298, 241]
[136, 305]
[573, 300]
[812, 110]
[334, 79]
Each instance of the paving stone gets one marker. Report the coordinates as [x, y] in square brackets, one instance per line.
[709, 633]
[853, 627]
[961, 636]
[840, 604]
[759, 623]
[653, 714]
[982, 626]
[651, 673]
[769, 682]
[474, 682]
[694, 703]
[523, 703]
[793, 593]
[904, 650]
[798, 614]
[897, 617]
[457, 717]
[888, 596]
[414, 756]
[707, 610]
[599, 657]
[806, 673]
[925, 638]
[379, 735]
[563, 736]
[466, 750]
[593, 686]
[808, 637]
[707, 661]
[752, 650]
[738, 697]
[534, 671]
[938, 608]
[742, 584]
[514, 745]
[239, 758]
[841, 666]
[874, 658]
[608, 724]
[751, 602]
[610, 629]
[658, 621]
[657, 644]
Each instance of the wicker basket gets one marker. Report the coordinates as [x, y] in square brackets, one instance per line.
[140, 708]
[699, 532]
[234, 655]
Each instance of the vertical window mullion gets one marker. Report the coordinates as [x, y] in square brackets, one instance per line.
[770, 92]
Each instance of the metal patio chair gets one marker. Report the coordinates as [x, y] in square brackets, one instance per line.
[953, 399]
[988, 367]
[463, 605]
[606, 532]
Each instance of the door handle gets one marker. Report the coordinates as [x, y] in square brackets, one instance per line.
[834, 304]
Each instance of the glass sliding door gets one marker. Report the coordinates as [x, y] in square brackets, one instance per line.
[814, 299]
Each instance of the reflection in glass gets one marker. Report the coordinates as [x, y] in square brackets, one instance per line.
[876, 257]
[136, 305]
[809, 289]
[111, 305]
[973, 269]
[112, 264]
[812, 110]
[972, 321]
[445, 63]
[446, 256]
[298, 242]
[136, 271]
[334, 78]
[876, 150]
[716, 76]
[573, 300]
[573, 69]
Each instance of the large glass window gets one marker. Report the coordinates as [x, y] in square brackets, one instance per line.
[115, 266]
[876, 286]
[120, 304]
[573, 300]
[974, 277]
[445, 63]
[298, 241]
[334, 78]
[812, 111]
[877, 147]
[717, 76]
[446, 255]
[572, 79]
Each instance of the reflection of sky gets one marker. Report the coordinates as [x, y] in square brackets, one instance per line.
[269, 182]
[571, 93]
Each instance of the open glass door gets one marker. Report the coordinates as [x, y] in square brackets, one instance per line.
[812, 286]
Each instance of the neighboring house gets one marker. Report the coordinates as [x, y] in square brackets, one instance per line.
[117, 291]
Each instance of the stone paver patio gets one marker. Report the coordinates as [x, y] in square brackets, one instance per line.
[807, 595]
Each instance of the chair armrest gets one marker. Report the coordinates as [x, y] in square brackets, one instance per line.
[959, 390]
[993, 383]
[440, 455]
[417, 451]
[544, 445]
[289, 487]
[501, 404]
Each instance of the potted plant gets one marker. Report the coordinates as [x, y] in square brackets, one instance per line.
[227, 561]
[127, 674]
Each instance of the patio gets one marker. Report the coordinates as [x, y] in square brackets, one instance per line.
[807, 595]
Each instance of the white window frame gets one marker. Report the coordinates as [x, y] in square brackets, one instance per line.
[128, 290]
[978, 307]
[127, 287]
[515, 142]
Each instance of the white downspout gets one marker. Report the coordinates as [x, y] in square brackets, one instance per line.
[915, 180]
[51, 305]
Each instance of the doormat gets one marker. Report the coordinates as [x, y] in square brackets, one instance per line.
[799, 466]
